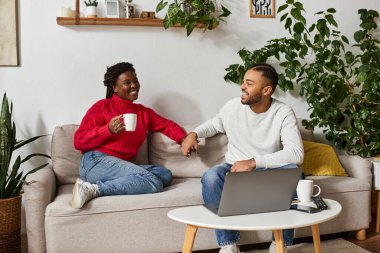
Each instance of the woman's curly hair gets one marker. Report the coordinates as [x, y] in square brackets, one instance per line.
[113, 73]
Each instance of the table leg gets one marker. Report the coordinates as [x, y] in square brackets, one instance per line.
[189, 238]
[378, 213]
[279, 241]
[316, 238]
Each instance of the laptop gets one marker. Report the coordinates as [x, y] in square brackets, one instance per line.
[258, 191]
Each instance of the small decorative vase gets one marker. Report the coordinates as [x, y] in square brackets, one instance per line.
[91, 12]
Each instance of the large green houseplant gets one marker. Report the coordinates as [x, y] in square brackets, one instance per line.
[193, 13]
[340, 81]
[11, 178]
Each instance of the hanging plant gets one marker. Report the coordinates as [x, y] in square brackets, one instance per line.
[193, 13]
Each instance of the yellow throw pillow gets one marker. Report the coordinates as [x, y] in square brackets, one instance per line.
[321, 160]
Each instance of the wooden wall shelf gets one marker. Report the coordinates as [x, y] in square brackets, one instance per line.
[111, 21]
[77, 20]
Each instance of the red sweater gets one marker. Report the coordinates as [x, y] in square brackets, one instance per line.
[93, 132]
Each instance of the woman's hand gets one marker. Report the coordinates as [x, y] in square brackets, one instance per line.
[189, 144]
[116, 125]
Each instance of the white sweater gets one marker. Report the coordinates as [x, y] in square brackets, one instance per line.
[272, 138]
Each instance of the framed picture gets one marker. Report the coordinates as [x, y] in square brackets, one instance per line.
[9, 33]
[262, 8]
[113, 9]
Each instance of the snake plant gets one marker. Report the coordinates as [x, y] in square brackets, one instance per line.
[11, 177]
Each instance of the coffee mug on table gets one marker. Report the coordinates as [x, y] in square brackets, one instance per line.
[305, 189]
[130, 120]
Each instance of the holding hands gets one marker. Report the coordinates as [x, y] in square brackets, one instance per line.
[116, 125]
[189, 144]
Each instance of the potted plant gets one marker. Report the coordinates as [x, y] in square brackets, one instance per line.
[193, 13]
[11, 180]
[91, 6]
[340, 81]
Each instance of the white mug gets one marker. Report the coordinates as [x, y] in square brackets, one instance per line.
[305, 189]
[130, 120]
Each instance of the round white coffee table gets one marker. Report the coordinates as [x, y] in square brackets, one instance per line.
[200, 217]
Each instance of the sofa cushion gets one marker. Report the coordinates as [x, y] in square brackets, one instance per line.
[321, 160]
[336, 184]
[165, 152]
[65, 157]
[182, 192]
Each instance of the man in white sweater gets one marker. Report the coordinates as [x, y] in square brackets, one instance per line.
[262, 133]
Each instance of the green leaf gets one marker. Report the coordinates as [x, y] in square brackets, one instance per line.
[368, 25]
[349, 57]
[225, 13]
[362, 77]
[296, 13]
[358, 36]
[22, 143]
[331, 10]
[373, 13]
[34, 155]
[288, 23]
[298, 28]
[167, 22]
[283, 17]
[282, 7]
[312, 27]
[298, 5]
[161, 5]
[345, 40]
[331, 20]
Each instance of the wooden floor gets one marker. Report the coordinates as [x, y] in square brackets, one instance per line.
[372, 243]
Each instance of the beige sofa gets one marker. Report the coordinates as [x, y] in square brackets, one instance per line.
[139, 223]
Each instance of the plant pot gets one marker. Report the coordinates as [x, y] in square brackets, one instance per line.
[91, 11]
[10, 229]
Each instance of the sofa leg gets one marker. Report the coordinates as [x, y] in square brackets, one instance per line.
[360, 235]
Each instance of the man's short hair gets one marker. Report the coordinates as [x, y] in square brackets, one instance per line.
[268, 72]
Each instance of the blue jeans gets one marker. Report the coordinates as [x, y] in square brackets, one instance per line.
[115, 176]
[212, 186]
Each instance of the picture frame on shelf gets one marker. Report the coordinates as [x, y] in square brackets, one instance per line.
[262, 8]
[113, 9]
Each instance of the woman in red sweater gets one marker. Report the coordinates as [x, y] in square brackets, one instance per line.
[107, 167]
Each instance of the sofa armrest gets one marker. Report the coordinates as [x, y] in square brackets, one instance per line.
[40, 191]
[357, 167]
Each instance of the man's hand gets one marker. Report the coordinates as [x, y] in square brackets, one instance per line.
[245, 165]
[189, 144]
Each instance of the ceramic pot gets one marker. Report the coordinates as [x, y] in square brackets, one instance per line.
[91, 11]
